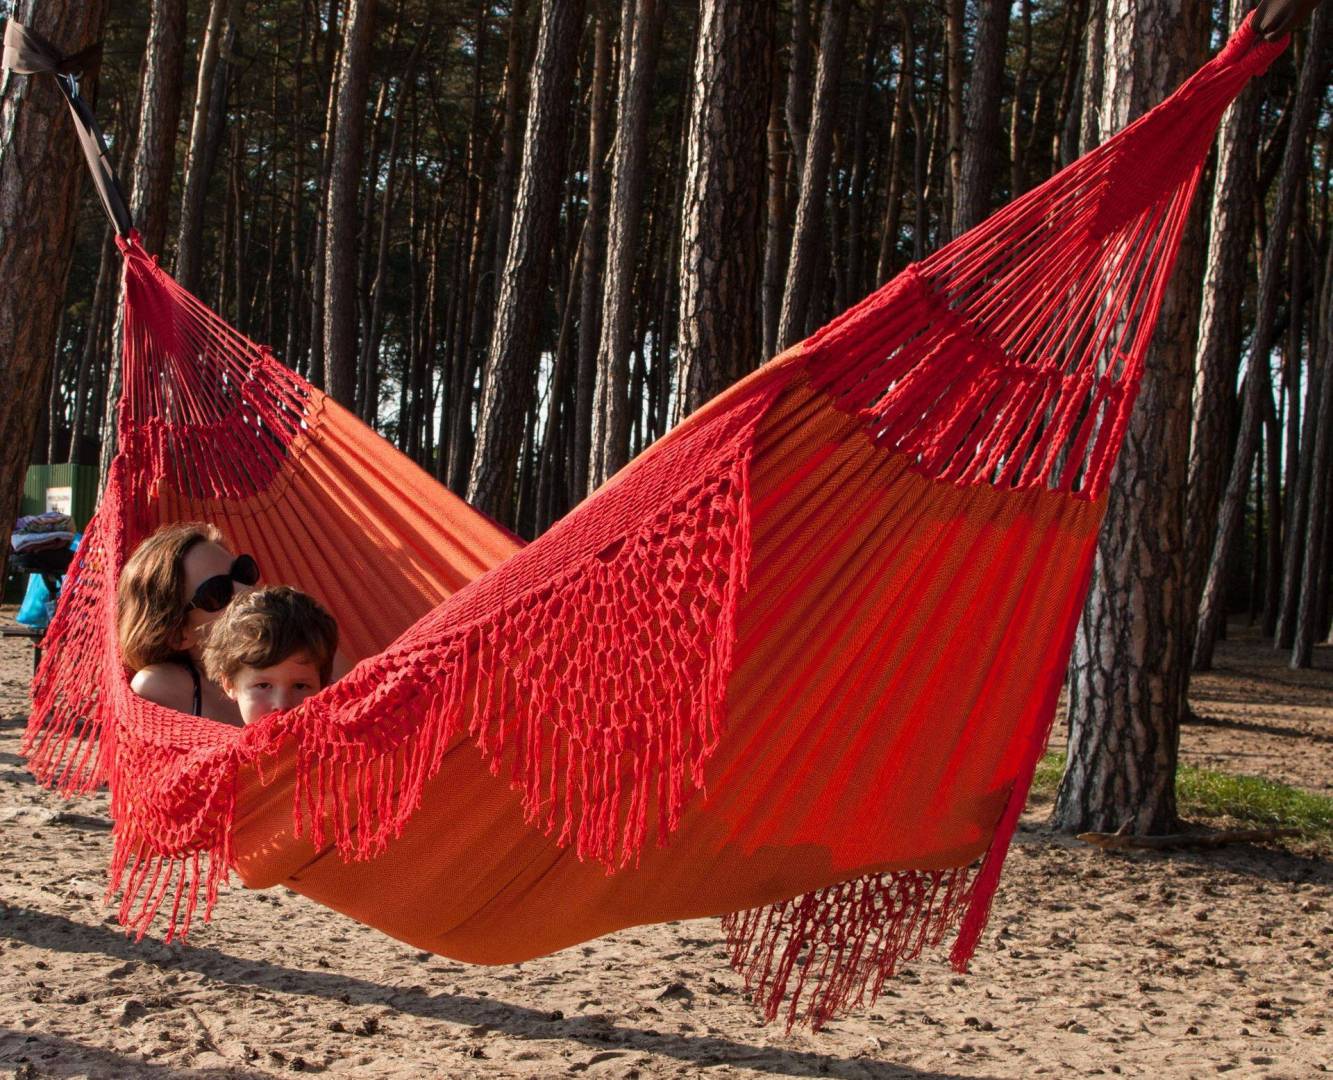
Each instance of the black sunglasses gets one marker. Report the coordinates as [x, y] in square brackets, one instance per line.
[215, 593]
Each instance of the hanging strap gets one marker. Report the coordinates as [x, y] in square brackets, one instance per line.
[28, 53]
[1273, 18]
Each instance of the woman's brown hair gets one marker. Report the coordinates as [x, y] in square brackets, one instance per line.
[150, 595]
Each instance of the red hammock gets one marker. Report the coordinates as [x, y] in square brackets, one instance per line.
[795, 664]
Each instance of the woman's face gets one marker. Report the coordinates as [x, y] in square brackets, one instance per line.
[203, 561]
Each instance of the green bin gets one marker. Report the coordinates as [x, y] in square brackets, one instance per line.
[71, 489]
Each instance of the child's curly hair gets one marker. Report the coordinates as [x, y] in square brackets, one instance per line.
[264, 628]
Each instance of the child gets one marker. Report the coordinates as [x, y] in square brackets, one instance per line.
[270, 650]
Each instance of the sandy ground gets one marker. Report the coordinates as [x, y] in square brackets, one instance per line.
[1187, 965]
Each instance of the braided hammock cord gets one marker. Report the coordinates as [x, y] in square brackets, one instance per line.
[827, 610]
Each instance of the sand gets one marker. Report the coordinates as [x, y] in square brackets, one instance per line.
[1183, 965]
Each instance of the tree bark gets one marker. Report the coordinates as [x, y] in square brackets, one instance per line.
[1126, 677]
[1310, 618]
[720, 336]
[333, 39]
[1298, 430]
[462, 443]
[893, 185]
[1094, 71]
[340, 322]
[41, 175]
[814, 176]
[1313, 77]
[590, 260]
[639, 27]
[1230, 220]
[1017, 166]
[189, 237]
[955, 64]
[509, 378]
[94, 332]
[157, 117]
[981, 128]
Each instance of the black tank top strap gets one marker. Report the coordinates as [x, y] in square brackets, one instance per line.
[198, 685]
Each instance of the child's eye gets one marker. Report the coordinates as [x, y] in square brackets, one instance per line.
[262, 685]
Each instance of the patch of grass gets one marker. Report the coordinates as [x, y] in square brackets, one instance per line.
[1206, 793]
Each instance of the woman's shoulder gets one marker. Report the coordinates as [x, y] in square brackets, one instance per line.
[166, 684]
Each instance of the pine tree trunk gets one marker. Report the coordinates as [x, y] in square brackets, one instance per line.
[856, 182]
[330, 64]
[1272, 549]
[189, 237]
[955, 59]
[1313, 77]
[639, 28]
[808, 233]
[340, 256]
[509, 378]
[1311, 618]
[1299, 437]
[590, 260]
[157, 117]
[1126, 677]
[720, 251]
[981, 129]
[85, 386]
[775, 219]
[893, 193]
[1094, 77]
[462, 446]
[1017, 166]
[41, 175]
[1219, 345]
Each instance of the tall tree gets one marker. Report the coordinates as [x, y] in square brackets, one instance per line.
[158, 116]
[1230, 225]
[591, 257]
[955, 13]
[1126, 675]
[808, 233]
[1312, 582]
[340, 262]
[720, 335]
[1309, 90]
[981, 125]
[639, 30]
[41, 175]
[189, 237]
[508, 385]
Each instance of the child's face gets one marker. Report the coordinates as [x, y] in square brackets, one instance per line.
[260, 691]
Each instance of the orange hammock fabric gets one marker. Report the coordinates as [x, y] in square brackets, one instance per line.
[793, 665]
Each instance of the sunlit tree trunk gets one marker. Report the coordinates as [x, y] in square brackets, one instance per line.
[1126, 675]
[980, 159]
[639, 23]
[340, 308]
[1230, 222]
[808, 232]
[1313, 78]
[1311, 618]
[41, 176]
[158, 115]
[189, 236]
[720, 251]
[509, 377]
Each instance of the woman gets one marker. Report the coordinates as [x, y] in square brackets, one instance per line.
[178, 581]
